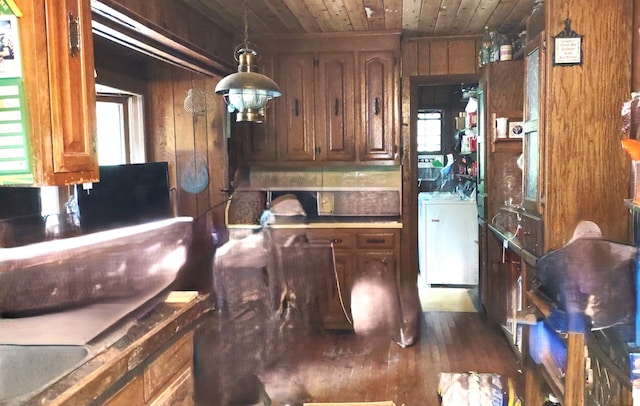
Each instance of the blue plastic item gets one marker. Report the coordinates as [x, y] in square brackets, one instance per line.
[544, 341]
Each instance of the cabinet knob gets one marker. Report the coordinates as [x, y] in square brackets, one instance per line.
[296, 108]
[336, 241]
[337, 107]
[376, 105]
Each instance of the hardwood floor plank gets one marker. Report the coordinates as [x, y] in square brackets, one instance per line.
[339, 367]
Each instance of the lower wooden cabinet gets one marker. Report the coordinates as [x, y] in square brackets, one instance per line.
[131, 393]
[501, 285]
[353, 249]
[166, 379]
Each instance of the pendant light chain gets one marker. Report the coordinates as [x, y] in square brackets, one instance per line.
[247, 92]
[246, 26]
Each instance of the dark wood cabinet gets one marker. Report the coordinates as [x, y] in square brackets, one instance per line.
[377, 94]
[336, 106]
[295, 108]
[569, 140]
[353, 249]
[501, 278]
[339, 102]
[316, 113]
[500, 94]
[569, 174]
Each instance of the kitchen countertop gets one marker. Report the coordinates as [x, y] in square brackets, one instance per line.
[121, 349]
[329, 222]
[513, 243]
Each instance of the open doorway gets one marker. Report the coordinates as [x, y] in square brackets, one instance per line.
[448, 274]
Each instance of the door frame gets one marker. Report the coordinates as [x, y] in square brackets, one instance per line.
[409, 260]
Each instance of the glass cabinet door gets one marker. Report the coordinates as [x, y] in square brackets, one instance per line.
[482, 141]
[532, 193]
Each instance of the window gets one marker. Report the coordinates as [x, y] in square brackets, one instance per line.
[430, 130]
[120, 133]
[120, 128]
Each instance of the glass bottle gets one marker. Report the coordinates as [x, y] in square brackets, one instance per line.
[496, 42]
[485, 47]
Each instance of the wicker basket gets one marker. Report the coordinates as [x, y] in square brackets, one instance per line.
[245, 207]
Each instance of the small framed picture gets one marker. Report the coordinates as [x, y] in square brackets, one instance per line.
[9, 48]
[515, 129]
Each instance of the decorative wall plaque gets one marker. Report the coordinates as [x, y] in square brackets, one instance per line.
[567, 46]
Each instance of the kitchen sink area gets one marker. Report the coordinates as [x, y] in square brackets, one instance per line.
[65, 304]
[26, 368]
[70, 375]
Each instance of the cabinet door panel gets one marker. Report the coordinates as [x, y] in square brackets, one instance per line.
[386, 257]
[533, 143]
[332, 311]
[72, 89]
[167, 365]
[130, 394]
[335, 107]
[179, 392]
[295, 118]
[377, 95]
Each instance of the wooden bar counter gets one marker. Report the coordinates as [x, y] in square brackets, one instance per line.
[149, 361]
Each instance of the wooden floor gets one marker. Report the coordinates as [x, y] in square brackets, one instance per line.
[341, 367]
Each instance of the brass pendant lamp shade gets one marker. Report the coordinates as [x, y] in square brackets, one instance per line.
[247, 92]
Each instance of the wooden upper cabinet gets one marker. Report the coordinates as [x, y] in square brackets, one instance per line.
[377, 93]
[295, 113]
[316, 114]
[500, 95]
[339, 101]
[335, 107]
[569, 141]
[59, 85]
[441, 56]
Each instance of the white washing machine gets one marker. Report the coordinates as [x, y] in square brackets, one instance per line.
[447, 239]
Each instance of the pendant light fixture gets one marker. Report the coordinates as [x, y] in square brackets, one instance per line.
[247, 92]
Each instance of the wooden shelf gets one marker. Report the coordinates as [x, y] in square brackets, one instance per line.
[542, 304]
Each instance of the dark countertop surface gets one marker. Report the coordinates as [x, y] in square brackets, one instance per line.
[330, 221]
[513, 243]
[121, 349]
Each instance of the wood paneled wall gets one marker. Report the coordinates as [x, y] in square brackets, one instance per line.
[181, 138]
[174, 135]
[583, 121]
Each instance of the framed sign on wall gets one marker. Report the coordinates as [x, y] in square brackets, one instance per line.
[567, 44]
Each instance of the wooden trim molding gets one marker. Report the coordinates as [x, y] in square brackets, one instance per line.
[111, 22]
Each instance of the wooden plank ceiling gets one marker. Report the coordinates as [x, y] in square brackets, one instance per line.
[414, 18]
